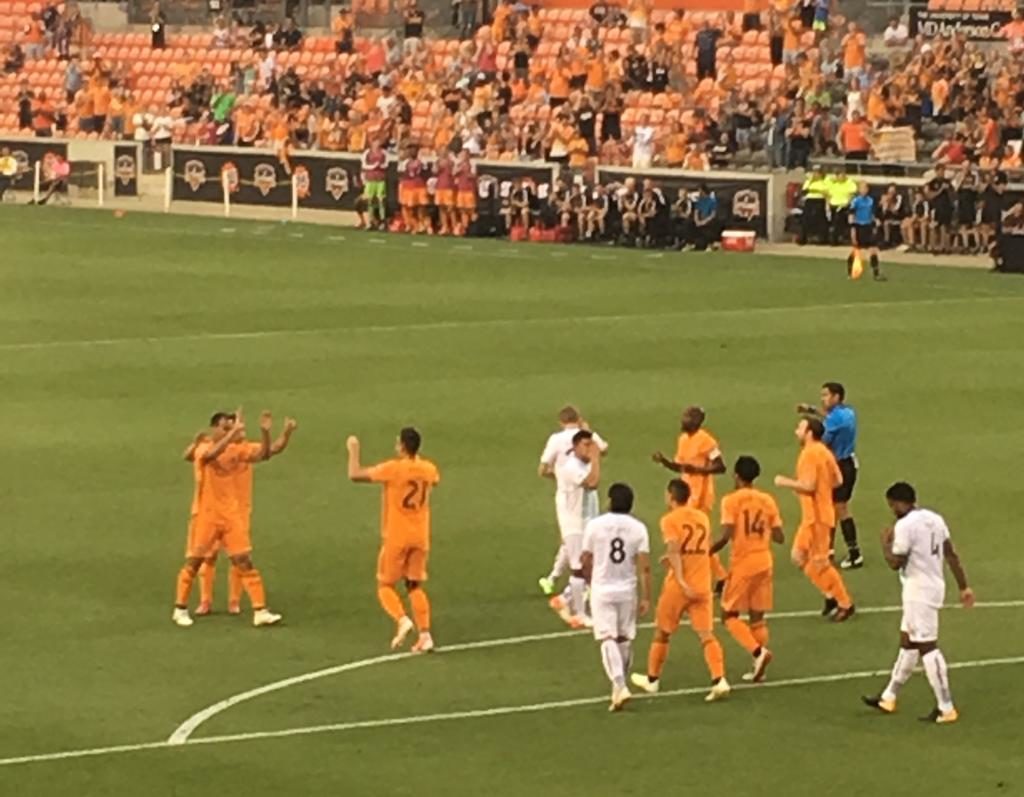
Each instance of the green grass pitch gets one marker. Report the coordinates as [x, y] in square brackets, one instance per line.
[118, 337]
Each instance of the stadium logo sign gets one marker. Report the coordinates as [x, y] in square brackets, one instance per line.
[195, 174]
[746, 204]
[973, 25]
[264, 177]
[124, 169]
[336, 182]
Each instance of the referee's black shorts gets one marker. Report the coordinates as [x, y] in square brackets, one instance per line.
[864, 236]
[844, 492]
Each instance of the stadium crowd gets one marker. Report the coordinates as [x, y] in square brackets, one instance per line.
[618, 85]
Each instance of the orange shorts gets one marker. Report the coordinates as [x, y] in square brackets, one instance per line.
[412, 197]
[812, 541]
[673, 604]
[208, 535]
[397, 561]
[466, 200]
[748, 592]
[445, 197]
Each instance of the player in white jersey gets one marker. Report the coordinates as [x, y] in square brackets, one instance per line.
[557, 448]
[617, 555]
[918, 546]
[577, 477]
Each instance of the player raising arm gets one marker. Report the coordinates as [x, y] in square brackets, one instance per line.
[751, 523]
[408, 481]
[616, 556]
[917, 546]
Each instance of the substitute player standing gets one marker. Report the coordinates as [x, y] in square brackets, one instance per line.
[917, 546]
[616, 556]
[408, 481]
[751, 522]
[577, 477]
[862, 232]
[840, 421]
[557, 448]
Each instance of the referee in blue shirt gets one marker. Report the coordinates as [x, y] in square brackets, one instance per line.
[841, 437]
[862, 231]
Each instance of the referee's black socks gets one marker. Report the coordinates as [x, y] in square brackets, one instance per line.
[849, 528]
[874, 270]
[849, 264]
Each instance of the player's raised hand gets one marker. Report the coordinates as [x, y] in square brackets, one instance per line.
[238, 431]
[781, 481]
[352, 444]
[238, 416]
[658, 457]
[266, 420]
[967, 598]
[290, 424]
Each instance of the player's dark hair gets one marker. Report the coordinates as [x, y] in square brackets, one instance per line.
[620, 498]
[815, 426]
[902, 492]
[679, 490]
[568, 414]
[747, 468]
[582, 434]
[217, 417]
[836, 389]
[411, 440]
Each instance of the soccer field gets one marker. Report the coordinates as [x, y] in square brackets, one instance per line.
[119, 337]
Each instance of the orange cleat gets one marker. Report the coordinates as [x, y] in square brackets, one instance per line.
[202, 609]
[234, 608]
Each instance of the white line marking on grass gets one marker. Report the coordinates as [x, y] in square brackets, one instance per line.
[188, 727]
[376, 240]
[603, 257]
[422, 244]
[335, 237]
[497, 711]
[463, 247]
[484, 323]
[227, 229]
[655, 255]
[296, 235]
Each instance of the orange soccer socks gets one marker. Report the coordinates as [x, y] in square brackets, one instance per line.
[207, 576]
[656, 659]
[714, 657]
[829, 583]
[420, 609]
[391, 601]
[743, 634]
[184, 587]
[759, 628]
[234, 588]
[252, 583]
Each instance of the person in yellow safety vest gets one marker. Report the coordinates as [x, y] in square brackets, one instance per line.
[841, 189]
[815, 216]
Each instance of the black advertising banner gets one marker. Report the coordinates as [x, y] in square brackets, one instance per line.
[495, 181]
[742, 203]
[126, 170]
[27, 152]
[975, 25]
[336, 182]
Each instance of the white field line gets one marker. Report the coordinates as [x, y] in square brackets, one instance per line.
[497, 711]
[485, 323]
[184, 731]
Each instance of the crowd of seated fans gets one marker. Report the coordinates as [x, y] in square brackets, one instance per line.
[621, 85]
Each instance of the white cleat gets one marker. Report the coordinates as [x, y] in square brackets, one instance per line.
[761, 662]
[401, 632]
[588, 621]
[718, 691]
[425, 644]
[645, 683]
[619, 699]
[181, 618]
[262, 617]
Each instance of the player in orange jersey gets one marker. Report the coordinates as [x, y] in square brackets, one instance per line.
[817, 475]
[751, 522]
[687, 590]
[218, 518]
[699, 459]
[408, 480]
[243, 481]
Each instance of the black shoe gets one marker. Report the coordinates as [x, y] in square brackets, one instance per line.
[831, 604]
[852, 561]
[880, 277]
[876, 702]
[931, 716]
[843, 615]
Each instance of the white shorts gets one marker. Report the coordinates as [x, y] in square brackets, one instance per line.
[573, 544]
[920, 621]
[614, 616]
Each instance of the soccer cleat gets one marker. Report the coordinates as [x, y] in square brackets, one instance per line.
[578, 622]
[761, 662]
[202, 609]
[547, 585]
[619, 699]
[842, 615]
[941, 717]
[719, 689]
[234, 608]
[262, 617]
[181, 619]
[650, 686]
[852, 562]
[880, 277]
[831, 604]
[588, 621]
[879, 702]
[561, 608]
[425, 644]
[401, 632]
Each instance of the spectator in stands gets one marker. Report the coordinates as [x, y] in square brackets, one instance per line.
[43, 116]
[706, 50]
[643, 143]
[413, 28]
[222, 36]
[157, 25]
[343, 28]
[896, 35]
[34, 36]
[288, 37]
[855, 138]
[14, 59]
[855, 48]
[1013, 32]
[72, 79]
[469, 16]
